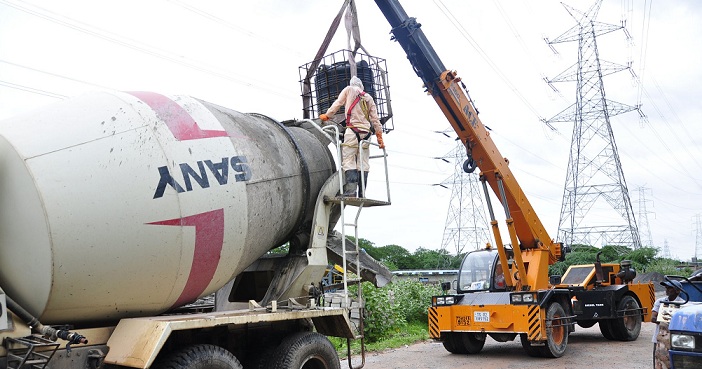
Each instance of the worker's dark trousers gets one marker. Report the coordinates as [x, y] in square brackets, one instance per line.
[353, 181]
[350, 183]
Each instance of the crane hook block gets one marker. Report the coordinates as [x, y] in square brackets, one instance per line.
[469, 165]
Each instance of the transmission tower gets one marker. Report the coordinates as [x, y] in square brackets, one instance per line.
[666, 249]
[594, 179]
[466, 223]
[646, 239]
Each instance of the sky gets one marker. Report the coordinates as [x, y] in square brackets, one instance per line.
[245, 55]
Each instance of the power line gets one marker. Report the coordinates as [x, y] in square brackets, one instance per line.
[136, 45]
[464, 33]
[32, 90]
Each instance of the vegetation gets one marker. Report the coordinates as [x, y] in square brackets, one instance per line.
[398, 258]
[395, 315]
[645, 259]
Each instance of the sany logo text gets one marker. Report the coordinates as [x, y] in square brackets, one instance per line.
[219, 170]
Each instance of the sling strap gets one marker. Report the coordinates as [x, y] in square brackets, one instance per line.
[365, 112]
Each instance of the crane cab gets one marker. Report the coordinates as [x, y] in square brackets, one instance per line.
[481, 271]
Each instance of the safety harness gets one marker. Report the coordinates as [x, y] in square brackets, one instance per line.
[364, 108]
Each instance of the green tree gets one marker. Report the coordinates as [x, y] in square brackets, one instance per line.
[395, 257]
[429, 259]
[641, 258]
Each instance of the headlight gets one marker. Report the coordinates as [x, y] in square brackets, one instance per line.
[445, 300]
[684, 341]
[523, 298]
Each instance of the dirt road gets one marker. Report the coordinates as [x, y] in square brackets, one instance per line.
[586, 349]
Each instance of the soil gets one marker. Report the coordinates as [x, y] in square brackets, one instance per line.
[587, 348]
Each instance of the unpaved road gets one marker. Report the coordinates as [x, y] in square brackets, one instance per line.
[586, 349]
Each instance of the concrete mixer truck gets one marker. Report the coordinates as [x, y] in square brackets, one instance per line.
[118, 209]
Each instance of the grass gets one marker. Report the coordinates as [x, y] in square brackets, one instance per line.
[412, 333]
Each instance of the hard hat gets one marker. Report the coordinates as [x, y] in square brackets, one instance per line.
[674, 284]
[355, 81]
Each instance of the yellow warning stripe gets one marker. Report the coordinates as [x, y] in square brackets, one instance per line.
[434, 331]
[534, 322]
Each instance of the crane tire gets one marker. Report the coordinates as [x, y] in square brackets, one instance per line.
[464, 343]
[472, 342]
[556, 333]
[533, 351]
[627, 327]
[451, 345]
[305, 350]
[606, 329]
[201, 356]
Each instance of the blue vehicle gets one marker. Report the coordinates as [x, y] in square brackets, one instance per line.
[686, 327]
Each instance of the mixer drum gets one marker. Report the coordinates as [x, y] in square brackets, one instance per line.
[120, 204]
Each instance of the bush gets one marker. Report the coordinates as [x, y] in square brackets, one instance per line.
[382, 317]
[413, 299]
[389, 309]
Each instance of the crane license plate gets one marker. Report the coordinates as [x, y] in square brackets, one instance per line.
[481, 316]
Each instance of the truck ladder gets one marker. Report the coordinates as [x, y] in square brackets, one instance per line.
[29, 352]
[351, 256]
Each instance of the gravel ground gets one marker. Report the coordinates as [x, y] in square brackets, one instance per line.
[586, 349]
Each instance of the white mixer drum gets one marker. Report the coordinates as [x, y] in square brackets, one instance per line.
[128, 204]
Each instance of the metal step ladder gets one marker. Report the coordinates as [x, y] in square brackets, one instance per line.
[351, 255]
[33, 352]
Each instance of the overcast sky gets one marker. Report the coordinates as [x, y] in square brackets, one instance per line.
[245, 55]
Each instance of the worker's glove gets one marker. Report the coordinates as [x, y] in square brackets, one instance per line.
[324, 117]
[379, 136]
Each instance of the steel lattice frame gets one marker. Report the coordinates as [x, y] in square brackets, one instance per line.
[594, 178]
[466, 222]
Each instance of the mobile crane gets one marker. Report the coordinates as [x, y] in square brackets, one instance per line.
[523, 300]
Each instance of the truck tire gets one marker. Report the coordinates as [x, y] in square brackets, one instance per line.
[202, 356]
[309, 350]
[556, 333]
[628, 327]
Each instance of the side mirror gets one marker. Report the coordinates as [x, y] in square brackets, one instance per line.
[445, 287]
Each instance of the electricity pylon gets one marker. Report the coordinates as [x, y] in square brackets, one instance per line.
[466, 223]
[594, 179]
[646, 239]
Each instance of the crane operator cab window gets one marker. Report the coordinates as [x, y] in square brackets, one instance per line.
[476, 273]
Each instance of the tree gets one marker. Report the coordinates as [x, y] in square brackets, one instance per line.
[396, 256]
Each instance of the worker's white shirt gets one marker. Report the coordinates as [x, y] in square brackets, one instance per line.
[358, 118]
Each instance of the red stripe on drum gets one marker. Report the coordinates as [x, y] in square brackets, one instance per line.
[181, 124]
[209, 239]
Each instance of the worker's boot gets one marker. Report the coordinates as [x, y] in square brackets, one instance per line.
[351, 183]
[362, 185]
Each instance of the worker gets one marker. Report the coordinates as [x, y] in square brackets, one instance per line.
[361, 120]
[499, 280]
[661, 336]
